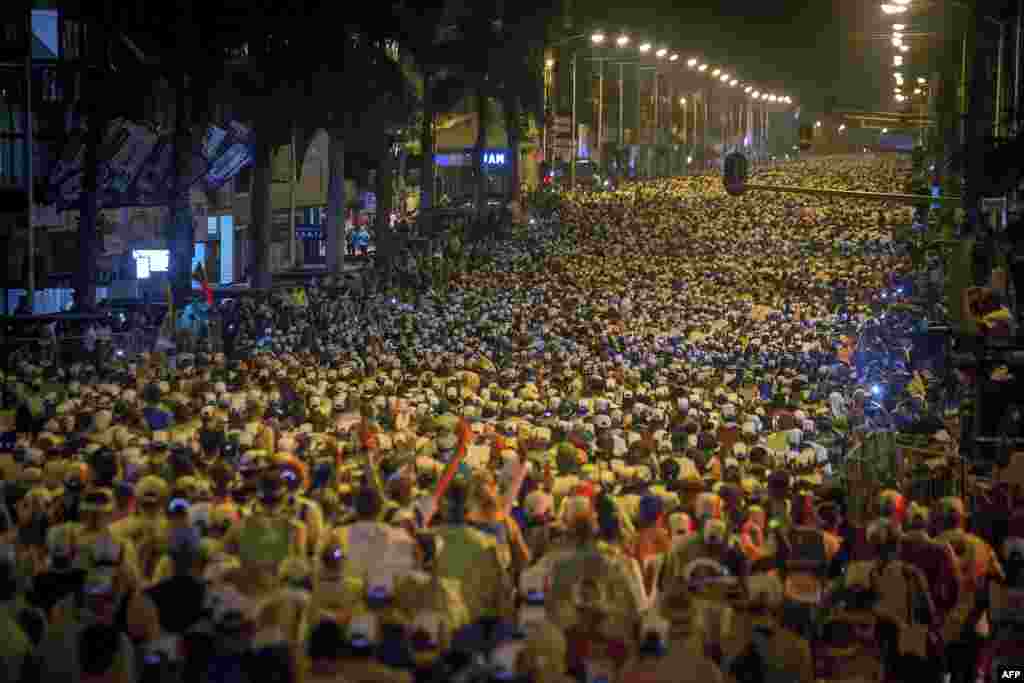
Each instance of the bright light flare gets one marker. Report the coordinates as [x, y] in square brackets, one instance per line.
[692, 62]
[622, 41]
[597, 38]
[661, 53]
[645, 48]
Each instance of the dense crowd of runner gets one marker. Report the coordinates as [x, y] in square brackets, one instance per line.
[595, 455]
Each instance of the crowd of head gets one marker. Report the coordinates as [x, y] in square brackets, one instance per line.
[600, 454]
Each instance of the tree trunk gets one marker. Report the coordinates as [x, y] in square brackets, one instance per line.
[403, 158]
[85, 277]
[259, 224]
[385, 192]
[512, 130]
[480, 179]
[336, 200]
[427, 148]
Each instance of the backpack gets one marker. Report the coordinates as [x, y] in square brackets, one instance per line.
[806, 566]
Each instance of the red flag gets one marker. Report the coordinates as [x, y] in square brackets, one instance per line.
[465, 435]
[199, 275]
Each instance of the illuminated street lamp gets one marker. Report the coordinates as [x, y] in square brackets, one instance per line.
[756, 95]
[917, 91]
[899, 27]
[897, 34]
[904, 48]
[884, 131]
[622, 41]
[897, 75]
[897, 60]
[597, 38]
[733, 83]
[716, 73]
[842, 127]
[896, 42]
[702, 67]
[764, 96]
[897, 90]
[724, 78]
[682, 100]
[894, 9]
[673, 58]
[661, 53]
[772, 98]
[921, 80]
[549, 63]
[901, 98]
[748, 89]
[645, 47]
[692, 62]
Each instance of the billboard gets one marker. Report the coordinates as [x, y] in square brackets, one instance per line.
[136, 164]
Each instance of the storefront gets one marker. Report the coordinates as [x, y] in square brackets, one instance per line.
[455, 172]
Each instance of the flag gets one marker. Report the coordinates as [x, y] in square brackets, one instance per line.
[465, 435]
[199, 275]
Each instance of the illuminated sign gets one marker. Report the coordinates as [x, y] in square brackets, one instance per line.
[494, 158]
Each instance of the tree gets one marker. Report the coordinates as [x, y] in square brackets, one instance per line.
[362, 95]
[262, 88]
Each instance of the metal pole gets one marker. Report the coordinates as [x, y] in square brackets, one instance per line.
[600, 112]
[29, 170]
[1016, 66]
[622, 102]
[999, 81]
[572, 157]
[293, 249]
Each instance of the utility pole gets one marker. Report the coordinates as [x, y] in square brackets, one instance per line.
[29, 166]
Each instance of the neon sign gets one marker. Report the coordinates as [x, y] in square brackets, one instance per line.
[494, 158]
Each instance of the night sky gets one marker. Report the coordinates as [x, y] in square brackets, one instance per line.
[809, 49]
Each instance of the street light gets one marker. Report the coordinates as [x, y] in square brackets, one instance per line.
[645, 47]
[897, 42]
[894, 9]
[724, 78]
[716, 72]
[748, 89]
[884, 131]
[772, 98]
[733, 83]
[897, 90]
[756, 95]
[817, 124]
[661, 53]
[897, 34]
[702, 67]
[682, 100]
[673, 58]
[842, 127]
[904, 48]
[921, 80]
[597, 38]
[692, 62]
[549, 63]
[917, 91]
[764, 96]
[622, 41]
[897, 60]
[897, 75]
[899, 27]
[901, 98]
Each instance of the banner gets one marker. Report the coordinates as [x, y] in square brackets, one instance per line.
[136, 164]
